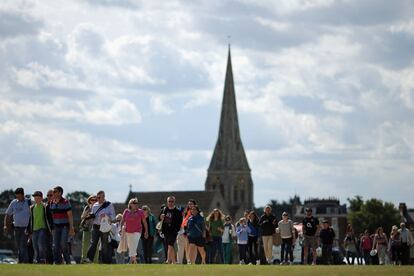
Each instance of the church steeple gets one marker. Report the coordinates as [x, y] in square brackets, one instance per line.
[229, 171]
[229, 152]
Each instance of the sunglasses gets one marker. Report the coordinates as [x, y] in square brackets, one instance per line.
[55, 192]
[49, 195]
[134, 202]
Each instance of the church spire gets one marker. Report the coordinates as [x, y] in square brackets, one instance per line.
[229, 152]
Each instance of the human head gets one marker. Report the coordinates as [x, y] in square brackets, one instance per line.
[285, 216]
[19, 193]
[246, 214]
[171, 202]
[349, 229]
[227, 219]
[118, 217]
[133, 204]
[252, 216]
[191, 203]
[195, 210]
[366, 232]
[402, 225]
[267, 210]
[49, 195]
[91, 199]
[308, 212]
[100, 196]
[57, 192]
[325, 224]
[147, 210]
[242, 220]
[394, 229]
[380, 230]
[38, 196]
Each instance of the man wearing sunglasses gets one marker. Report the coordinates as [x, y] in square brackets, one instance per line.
[171, 219]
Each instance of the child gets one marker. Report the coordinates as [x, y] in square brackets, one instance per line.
[227, 238]
[242, 232]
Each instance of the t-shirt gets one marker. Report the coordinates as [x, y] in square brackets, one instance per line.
[60, 212]
[214, 226]
[20, 210]
[39, 217]
[310, 225]
[133, 220]
[327, 235]
[172, 220]
[366, 243]
[266, 224]
[286, 229]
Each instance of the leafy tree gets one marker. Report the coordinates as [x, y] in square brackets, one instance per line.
[371, 214]
[78, 197]
[6, 197]
[279, 207]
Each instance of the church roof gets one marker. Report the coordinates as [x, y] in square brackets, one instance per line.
[229, 152]
[155, 199]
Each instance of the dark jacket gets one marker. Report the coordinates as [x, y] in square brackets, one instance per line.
[47, 217]
[267, 227]
[195, 226]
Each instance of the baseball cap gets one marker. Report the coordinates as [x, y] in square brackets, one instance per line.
[38, 193]
[325, 221]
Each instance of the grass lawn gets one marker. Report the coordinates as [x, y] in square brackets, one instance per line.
[216, 270]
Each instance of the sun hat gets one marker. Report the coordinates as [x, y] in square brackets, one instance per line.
[373, 252]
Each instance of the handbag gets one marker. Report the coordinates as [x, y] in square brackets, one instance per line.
[105, 225]
[122, 246]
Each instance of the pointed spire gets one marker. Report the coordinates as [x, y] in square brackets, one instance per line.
[229, 152]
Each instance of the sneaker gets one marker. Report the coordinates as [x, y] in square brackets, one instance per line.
[242, 262]
[250, 263]
[258, 262]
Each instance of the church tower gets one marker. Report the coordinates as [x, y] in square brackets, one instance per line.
[229, 171]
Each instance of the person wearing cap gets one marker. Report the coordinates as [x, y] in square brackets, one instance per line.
[40, 224]
[287, 233]
[406, 241]
[310, 230]
[327, 236]
[17, 218]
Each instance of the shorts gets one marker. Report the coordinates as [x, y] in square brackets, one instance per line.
[310, 242]
[170, 238]
[198, 241]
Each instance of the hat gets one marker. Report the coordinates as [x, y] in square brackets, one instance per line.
[38, 193]
[19, 191]
[308, 209]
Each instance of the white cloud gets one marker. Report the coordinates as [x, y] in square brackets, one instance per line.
[337, 107]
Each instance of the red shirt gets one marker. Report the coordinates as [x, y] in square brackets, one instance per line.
[133, 220]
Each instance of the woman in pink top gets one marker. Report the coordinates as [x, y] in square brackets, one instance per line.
[132, 219]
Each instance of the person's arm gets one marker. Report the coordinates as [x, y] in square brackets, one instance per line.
[111, 212]
[144, 222]
[71, 227]
[8, 218]
[374, 243]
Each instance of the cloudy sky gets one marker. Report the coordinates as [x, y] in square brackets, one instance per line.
[100, 94]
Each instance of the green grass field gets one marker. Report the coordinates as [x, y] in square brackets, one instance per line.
[216, 270]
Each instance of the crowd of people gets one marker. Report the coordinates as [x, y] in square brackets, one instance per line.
[187, 234]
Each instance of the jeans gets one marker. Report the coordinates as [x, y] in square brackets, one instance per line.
[216, 248]
[327, 254]
[242, 252]
[106, 252]
[21, 243]
[286, 250]
[253, 249]
[227, 253]
[367, 256]
[39, 245]
[395, 253]
[405, 253]
[60, 244]
[350, 257]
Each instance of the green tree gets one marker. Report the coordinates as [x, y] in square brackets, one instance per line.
[371, 214]
[6, 197]
[77, 197]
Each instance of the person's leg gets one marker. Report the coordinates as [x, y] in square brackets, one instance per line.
[42, 245]
[180, 248]
[145, 249]
[220, 250]
[192, 251]
[95, 236]
[35, 243]
[57, 250]
[305, 252]
[64, 244]
[405, 250]
[202, 253]
[288, 249]
[213, 251]
[21, 244]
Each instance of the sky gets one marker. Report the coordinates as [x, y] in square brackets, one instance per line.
[103, 94]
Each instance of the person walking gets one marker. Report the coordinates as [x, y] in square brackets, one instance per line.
[134, 218]
[119, 255]
[311, 231]
[41, 223]
[171, 219]
[182, 240]
[215, 225]
[366, 247]
[406, 241]
[327, 236]
[267, 225]
[287, 233]
[350, 245]
[86, 226]
[147, 243]
[62, 226]
[102, 213]
[242, 232]
[196, 235]
[227, 240]
[17, 218]
[380, 244]
[395, 245]
[252, 240]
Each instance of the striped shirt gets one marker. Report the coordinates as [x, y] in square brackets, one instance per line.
[60, 212]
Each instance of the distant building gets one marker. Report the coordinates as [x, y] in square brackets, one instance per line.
[229, 184]
[329, 209]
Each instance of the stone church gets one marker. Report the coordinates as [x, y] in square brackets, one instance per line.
[229, 184]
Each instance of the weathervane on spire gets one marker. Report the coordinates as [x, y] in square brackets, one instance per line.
[229, 40]
[130, 187]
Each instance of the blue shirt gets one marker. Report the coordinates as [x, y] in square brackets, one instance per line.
[195, 226]
[109, 211]
[20, 210]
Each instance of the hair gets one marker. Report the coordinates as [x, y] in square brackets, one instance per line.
[146, 208]
[210, 217]
[241, 219]
[192, 201]
[19, 191]
[378, 229]
[119, 217]
[255, 219]
[90, 198]
[393, 228]
[100, 193]
[349, 228]
[267, 206]
[59, 189]
[130, 202]
[196, 207]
